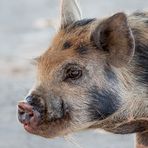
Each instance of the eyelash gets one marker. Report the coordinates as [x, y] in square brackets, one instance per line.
[72, 73]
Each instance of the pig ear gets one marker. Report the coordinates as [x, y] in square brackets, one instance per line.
[70, 12]
[114, 36]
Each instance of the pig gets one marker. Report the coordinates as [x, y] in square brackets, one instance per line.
[93, 76]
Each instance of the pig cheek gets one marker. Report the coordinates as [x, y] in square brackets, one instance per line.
[103, 103]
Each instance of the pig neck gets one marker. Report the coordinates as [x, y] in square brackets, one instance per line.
[133, 79]
[132, 87]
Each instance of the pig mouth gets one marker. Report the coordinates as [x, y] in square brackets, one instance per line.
[29, 117]
[38, 124]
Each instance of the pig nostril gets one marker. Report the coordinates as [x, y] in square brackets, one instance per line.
[29, 99]
[31, 114]
[21, 112]
[27, 114]
[20, 107]
[25, 124]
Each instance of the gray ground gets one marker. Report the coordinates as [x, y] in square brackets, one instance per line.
[23, 37]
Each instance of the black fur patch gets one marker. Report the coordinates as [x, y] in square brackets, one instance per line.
[82, 49]
[110, 74]
[81, 23]
[103, 103]
[141, 58]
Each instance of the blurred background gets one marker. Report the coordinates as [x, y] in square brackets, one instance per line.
[24, 34]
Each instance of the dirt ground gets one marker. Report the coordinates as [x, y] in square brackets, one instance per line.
[23, 35]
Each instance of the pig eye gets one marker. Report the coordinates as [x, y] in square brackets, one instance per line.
[67, 45]
[73, 73]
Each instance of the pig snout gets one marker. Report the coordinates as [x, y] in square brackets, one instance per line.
[33, 111]
[27, 115]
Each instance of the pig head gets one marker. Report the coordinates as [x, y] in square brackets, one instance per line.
[94, 75]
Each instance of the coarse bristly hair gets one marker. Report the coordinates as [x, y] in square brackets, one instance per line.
[94, 75]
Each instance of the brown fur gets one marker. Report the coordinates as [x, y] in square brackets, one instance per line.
[130, 114]
[130, 89]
